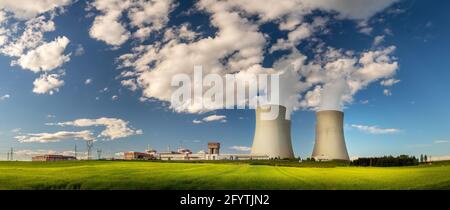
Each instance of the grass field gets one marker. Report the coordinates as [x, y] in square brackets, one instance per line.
[157, 175]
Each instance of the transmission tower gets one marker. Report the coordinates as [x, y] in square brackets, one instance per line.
[75, 151]
[7, 155]
[89, 144]
[99, 154]
[12, 154]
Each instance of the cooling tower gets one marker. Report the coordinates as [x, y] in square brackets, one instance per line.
[272, 137]
[330, 142]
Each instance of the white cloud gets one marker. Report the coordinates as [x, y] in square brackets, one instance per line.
[54, 137]
[114, 128]
[88, 81]
[47, 84]
[31, 37]
[378, 40]
[4, 97]
[46, 57]
[25, 42]
[130, 84]
[114, 97]
[107, 28]
[211, 118]
[146, 16]
[387, 92]
[197, 121]
[389, 82]
[375, 129]
[26, 9]
[239, 46]
[240, 148]
[441, 141]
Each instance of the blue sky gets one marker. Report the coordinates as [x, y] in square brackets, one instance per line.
[411, 118]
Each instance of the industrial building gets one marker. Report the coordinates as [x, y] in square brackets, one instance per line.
[213, 153]
[330, 141]
[48, 158]
[138, 156]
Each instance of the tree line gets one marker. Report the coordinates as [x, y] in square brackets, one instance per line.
[386, 161]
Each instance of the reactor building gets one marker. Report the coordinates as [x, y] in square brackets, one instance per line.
[272, 136]
[330, 142]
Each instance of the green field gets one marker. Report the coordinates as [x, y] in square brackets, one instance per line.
[157, 175]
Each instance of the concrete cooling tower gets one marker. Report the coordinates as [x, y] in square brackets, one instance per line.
[272, 137]
[330, 142]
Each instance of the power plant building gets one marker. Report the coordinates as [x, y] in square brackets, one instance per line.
[138, 156]
[330, 141]
[213, 153]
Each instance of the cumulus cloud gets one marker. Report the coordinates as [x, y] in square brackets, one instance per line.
[131, 84]
[329, 79]
[46, 57]
[47, 83]
[144, 16]
[31, 37]
[375, 129]
[23, 40]
[212, 118]
[26, 9]
[240, 148]
[114, 128]
[55, 137]
[4, 97]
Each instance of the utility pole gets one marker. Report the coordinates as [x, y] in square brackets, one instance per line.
[89, 144]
